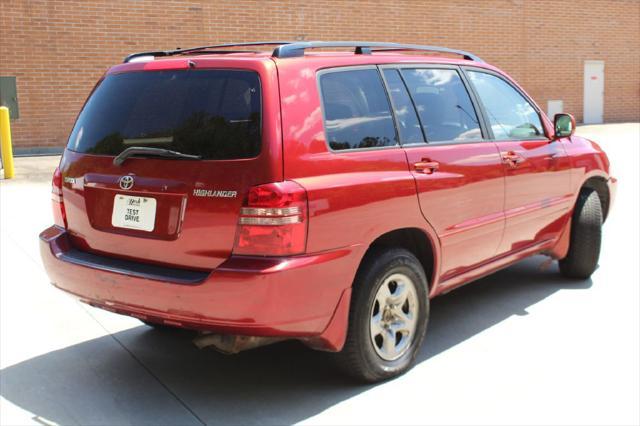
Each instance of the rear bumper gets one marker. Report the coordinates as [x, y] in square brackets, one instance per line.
[302, 297]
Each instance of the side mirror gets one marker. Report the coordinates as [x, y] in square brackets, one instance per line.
[564, 125]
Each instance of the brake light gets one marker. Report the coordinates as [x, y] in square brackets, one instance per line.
[59, 214]
[273, 220]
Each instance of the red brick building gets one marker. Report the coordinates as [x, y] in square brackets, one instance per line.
[57, 49]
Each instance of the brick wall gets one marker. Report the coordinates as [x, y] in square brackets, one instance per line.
[58, 49]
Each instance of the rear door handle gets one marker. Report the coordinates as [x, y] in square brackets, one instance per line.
[426, 166]
[512, 158]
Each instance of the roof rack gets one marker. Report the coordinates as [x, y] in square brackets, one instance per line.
[195, 49]
[292, 49]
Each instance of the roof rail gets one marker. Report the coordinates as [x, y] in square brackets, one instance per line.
[195, 49]
[295, 49]
[291, 49]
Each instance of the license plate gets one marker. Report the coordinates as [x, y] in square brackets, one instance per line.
[134, 212]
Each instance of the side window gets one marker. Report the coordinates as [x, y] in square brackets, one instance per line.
[409, 126]
[356, 110]
[510, 114]
[444, 106]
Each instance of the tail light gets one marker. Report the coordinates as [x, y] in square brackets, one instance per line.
[273, 221]
[59, 214]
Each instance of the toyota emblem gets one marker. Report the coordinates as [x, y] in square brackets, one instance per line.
[126, 182]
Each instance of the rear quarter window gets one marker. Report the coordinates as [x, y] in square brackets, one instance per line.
[212, 113]
[356, 110]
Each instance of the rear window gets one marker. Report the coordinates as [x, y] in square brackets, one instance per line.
[212, 113]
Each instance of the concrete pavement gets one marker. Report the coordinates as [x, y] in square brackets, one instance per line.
[523, 346]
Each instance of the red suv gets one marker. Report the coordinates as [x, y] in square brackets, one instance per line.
[319, 196]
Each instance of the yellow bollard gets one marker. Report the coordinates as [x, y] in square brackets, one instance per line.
[5, 143]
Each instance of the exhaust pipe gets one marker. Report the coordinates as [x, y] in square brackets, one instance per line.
[230, 344]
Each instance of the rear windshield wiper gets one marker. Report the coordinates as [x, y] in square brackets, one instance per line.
[152, 152]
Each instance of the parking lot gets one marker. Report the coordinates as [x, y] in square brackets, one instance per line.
[523, 346]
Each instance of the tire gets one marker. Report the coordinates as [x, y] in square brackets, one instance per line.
[586, 236]
[386, 274]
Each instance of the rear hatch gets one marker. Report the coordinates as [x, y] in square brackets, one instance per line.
[173, 211]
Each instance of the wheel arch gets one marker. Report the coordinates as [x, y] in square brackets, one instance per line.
[599, 184]
[415, 240]
[418, 241]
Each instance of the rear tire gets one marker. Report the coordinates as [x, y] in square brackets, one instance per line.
[388, 316]
[586, 236]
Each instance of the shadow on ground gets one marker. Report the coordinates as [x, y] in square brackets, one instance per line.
[96, 382]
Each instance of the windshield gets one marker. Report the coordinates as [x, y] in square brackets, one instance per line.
[215, 114]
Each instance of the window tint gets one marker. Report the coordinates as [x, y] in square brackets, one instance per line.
[510, 114]
[211, 113]
[444, 106]
[356, 110]
[409, 126]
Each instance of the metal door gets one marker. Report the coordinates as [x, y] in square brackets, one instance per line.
[593, 91]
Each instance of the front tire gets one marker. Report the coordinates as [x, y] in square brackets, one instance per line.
[388, 316]
[586, 237]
